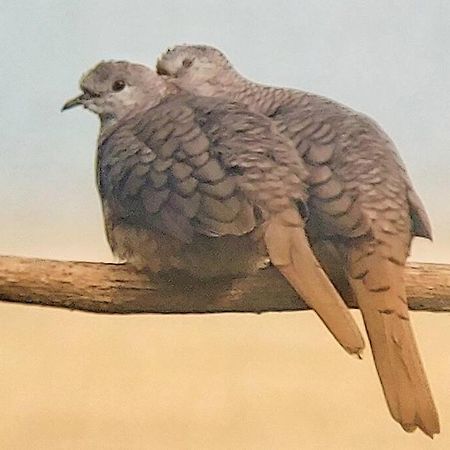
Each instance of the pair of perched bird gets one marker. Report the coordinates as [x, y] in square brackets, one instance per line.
[204, 171]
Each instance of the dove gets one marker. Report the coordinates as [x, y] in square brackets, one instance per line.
[364, 212]
[202, 186]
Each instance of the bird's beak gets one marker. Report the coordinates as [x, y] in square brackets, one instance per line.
[77, 101]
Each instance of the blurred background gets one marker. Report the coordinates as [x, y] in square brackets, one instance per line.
[71, 380]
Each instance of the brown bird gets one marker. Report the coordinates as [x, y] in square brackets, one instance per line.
[364, 212]
[203, 186]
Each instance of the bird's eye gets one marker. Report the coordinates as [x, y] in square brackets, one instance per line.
[187, 63]
[118, 85]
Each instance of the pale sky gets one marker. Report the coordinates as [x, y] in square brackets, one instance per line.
[389, 59]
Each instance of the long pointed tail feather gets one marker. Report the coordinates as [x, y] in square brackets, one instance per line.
[290, 252]
[379, 287]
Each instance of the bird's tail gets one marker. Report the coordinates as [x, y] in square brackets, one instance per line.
[289, 251]
[379, 287]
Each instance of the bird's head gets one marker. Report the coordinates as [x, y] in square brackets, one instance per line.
[196, 68]
[112, 89]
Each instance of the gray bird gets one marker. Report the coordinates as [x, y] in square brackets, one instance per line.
[364, 212]
[203, 186]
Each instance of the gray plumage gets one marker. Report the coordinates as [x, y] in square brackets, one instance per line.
[204, 186]
[364, 212]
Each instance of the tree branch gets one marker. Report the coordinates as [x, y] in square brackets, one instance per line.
[116, 288]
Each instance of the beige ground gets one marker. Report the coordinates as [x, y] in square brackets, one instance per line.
[79, 381]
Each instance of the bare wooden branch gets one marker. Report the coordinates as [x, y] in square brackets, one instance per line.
[116, 288]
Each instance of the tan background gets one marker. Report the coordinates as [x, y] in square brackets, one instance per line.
[73, 381]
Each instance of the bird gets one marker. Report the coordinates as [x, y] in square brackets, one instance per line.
[364, 212]
[202, 186]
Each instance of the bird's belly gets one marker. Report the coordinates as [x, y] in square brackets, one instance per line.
[205, 257]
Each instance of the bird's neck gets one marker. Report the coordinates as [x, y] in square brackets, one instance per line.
[134, 105]
[258, 97]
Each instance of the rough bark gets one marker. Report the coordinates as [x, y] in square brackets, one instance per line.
[118, 289]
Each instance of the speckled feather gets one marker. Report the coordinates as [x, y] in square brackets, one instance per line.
[161, 164]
